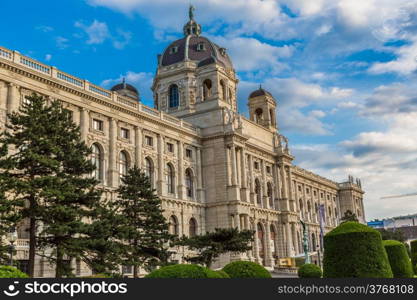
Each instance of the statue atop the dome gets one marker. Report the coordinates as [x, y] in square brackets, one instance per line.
[191, 12]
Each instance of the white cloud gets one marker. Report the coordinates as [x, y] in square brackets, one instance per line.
[48, 57]
[249, 54]
[61, 42]
[97, 32]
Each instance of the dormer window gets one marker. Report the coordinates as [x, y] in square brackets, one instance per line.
[222, 51]
[173, 50]
[201, 47]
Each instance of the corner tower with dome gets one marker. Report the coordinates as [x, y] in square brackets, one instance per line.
[211, 166]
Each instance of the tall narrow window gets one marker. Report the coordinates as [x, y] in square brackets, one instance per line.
[149, 169]
[207, 89]
[97, 160]
[192, 227]
[174, 96]
[173, 225]
[258, 115]
[223, 90]
[270, 195]
[123, 164]
[170, 179]
[258, 192]
[189, 183]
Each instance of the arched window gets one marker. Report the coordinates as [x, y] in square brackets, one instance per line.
[258, 115]
[258, 192]
[170, 179]
[174, 97]
[230, 96]
[156, 101]
[309, 210]
[173, 225]
[123, 163]
[149, 170]
[97, 160]
[300, 202]
[223, 90]
[192, 227]
[207, 85]
[189, 183]
[270, 195]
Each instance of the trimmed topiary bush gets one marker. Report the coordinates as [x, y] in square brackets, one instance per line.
[398, 258]
[222, 273]
[246, 269]
[183, 271]
[11, 272]
[309, 271]
[355, 250]
[413, 250]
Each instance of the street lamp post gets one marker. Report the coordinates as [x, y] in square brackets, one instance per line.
[12, 237]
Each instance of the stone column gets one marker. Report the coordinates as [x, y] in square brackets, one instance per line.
[243, 179]
[161, 167]
[180, 170]
[234, 168]
[290, 190]
[265, 202]
[4, 91]
[269, 260]
[138, 146]
[84, 123]
[251, 184]
[228, 173]
[256, 245]
[13, 98]
[289, 242]
[294, 236]
[200, 190]
[113, 173]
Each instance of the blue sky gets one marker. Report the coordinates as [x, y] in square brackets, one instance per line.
[343, 71]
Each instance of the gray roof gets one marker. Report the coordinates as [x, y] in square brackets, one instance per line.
[187, 49]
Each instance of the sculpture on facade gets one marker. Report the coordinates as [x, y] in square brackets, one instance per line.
[305, 242]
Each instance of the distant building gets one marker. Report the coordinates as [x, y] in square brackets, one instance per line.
[406, 224]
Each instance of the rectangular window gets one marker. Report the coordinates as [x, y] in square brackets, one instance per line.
[98, 125]
[307, 190]
[124, 133]
[299, 188]
[256, 165]
[149, 141]
[127, 269]
[314, 193]
[189, 153]
[268, 169]
[170, 147]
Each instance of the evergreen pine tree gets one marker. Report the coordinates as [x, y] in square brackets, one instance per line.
[212, 244]
[145, 227]
[47, 166]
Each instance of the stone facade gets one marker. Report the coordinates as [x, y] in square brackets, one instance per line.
[211, 166]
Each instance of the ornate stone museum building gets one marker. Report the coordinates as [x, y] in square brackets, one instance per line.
[211, 166]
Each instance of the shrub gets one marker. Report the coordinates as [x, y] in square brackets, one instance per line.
[246, 269]
[100, 275]
[11, 272]
[355, 250]
[309, 271]
[183, 271]
[222, 273]
[398, 258]
[413, 251]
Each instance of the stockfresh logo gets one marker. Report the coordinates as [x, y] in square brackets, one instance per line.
[66, 288]
[12, 290]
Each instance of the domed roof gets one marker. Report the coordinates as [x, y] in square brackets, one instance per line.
[260, 92]
[195, 48]
[126, 89]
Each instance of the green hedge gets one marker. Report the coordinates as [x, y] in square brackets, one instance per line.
[398, 258]
[309, 271]
[246, 269]
[11, 272]
[222, 273]
[413, 250]
[183, 271]
[355, 250]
